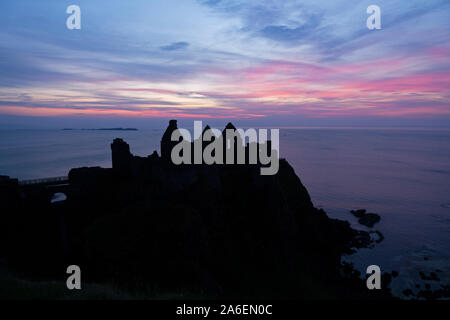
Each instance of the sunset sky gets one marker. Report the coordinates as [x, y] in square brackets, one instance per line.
[277, 63]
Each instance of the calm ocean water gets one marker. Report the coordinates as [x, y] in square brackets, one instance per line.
[401, 174]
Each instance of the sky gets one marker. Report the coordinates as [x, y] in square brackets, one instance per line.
[255, 62]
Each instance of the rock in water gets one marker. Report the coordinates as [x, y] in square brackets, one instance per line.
[366, 219]
[358, 213]
[369, 219]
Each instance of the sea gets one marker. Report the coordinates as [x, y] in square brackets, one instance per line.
[402, 174]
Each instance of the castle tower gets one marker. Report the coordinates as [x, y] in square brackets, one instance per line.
[166, 142]
[204, 142]
[121, 156]
[227, 143]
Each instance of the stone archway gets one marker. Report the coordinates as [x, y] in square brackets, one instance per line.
[58, 197]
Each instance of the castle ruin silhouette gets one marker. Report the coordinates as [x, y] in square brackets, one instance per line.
[124, 163]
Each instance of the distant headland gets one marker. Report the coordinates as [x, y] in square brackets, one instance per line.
[102, 129]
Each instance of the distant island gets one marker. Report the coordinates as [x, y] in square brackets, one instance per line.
[104, 129]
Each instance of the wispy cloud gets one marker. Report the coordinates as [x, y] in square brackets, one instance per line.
[175, 46]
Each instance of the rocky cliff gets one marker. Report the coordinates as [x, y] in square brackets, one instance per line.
[189, 230]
